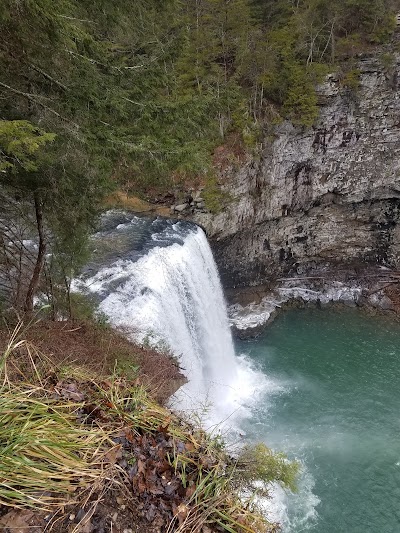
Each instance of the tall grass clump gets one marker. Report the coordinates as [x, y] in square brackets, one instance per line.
[65, 438]
[45, 454]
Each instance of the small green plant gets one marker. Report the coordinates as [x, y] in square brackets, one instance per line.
[82, 306]
[148, 340]
[351, 80]
[214, 197]
[151, 342]
[260, 463]
[101, 319]
[388, 61]
[125, 367]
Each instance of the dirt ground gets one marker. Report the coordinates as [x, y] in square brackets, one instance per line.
[101, 351]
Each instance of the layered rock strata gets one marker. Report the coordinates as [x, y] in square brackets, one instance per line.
[328, 195]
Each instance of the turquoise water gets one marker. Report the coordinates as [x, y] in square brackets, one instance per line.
[333, 402]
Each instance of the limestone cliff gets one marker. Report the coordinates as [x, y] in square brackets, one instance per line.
[325, 195]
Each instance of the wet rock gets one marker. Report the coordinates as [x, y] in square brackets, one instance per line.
[381, 301]
[180, 208]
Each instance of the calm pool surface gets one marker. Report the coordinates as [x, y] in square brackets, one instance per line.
[333, 402]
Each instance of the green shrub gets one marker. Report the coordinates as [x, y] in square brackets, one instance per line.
[351, 80]
[388, 61]
[260, 463]
[214, 197]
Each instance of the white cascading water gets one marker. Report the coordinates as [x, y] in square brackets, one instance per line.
[172, 297]
[159, 282]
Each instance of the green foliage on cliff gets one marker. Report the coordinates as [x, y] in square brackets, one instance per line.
[147, 88]
[138, 93]
[306, 39]
[351, 80]
[214, 197]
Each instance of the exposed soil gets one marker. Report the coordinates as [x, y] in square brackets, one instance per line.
[101, 350]
[122, 200]
[147, 494]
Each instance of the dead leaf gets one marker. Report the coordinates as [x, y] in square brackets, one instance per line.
[113, 455]
[189, 447]
[181, 512]
[18, 521]
[141, 466]
[69, 391]
[190, 491]
[84, 527]
[164, 429]
[155, 490]
[141, 484]
[127, 433]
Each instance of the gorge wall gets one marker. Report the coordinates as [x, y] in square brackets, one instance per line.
[327, 195]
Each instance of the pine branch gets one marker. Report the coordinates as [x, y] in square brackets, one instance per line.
[34, 98]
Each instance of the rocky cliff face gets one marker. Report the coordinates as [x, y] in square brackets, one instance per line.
[327, 195]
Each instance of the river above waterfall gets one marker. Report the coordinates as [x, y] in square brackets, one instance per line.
[157, 280]
[335, 408]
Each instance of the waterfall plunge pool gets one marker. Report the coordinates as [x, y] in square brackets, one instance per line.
[320, 385]
[336, 408]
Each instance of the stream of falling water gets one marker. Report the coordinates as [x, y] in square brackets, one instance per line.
[164, 289]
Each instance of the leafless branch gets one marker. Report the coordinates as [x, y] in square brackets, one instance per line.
[78, 20]
[48, 77]
[120, 68]
[34, 98]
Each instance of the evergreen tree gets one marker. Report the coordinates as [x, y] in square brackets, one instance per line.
[139, 92]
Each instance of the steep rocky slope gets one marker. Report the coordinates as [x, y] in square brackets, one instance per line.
[327, 195]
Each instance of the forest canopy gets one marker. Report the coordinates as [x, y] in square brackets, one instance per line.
[98, 94]
[146, 87]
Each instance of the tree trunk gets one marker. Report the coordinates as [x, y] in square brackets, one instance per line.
[67, 283]
[50, 289]
[33, 285]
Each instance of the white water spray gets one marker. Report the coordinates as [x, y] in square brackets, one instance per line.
[172, 296]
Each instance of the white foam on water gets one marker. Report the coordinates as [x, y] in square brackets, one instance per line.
[294, 512]
[172, 297]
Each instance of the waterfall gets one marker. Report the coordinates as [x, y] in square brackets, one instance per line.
[171, 297]
[158, 281]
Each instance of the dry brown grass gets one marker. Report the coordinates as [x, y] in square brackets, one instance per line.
[95, 350]
[122, 200]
